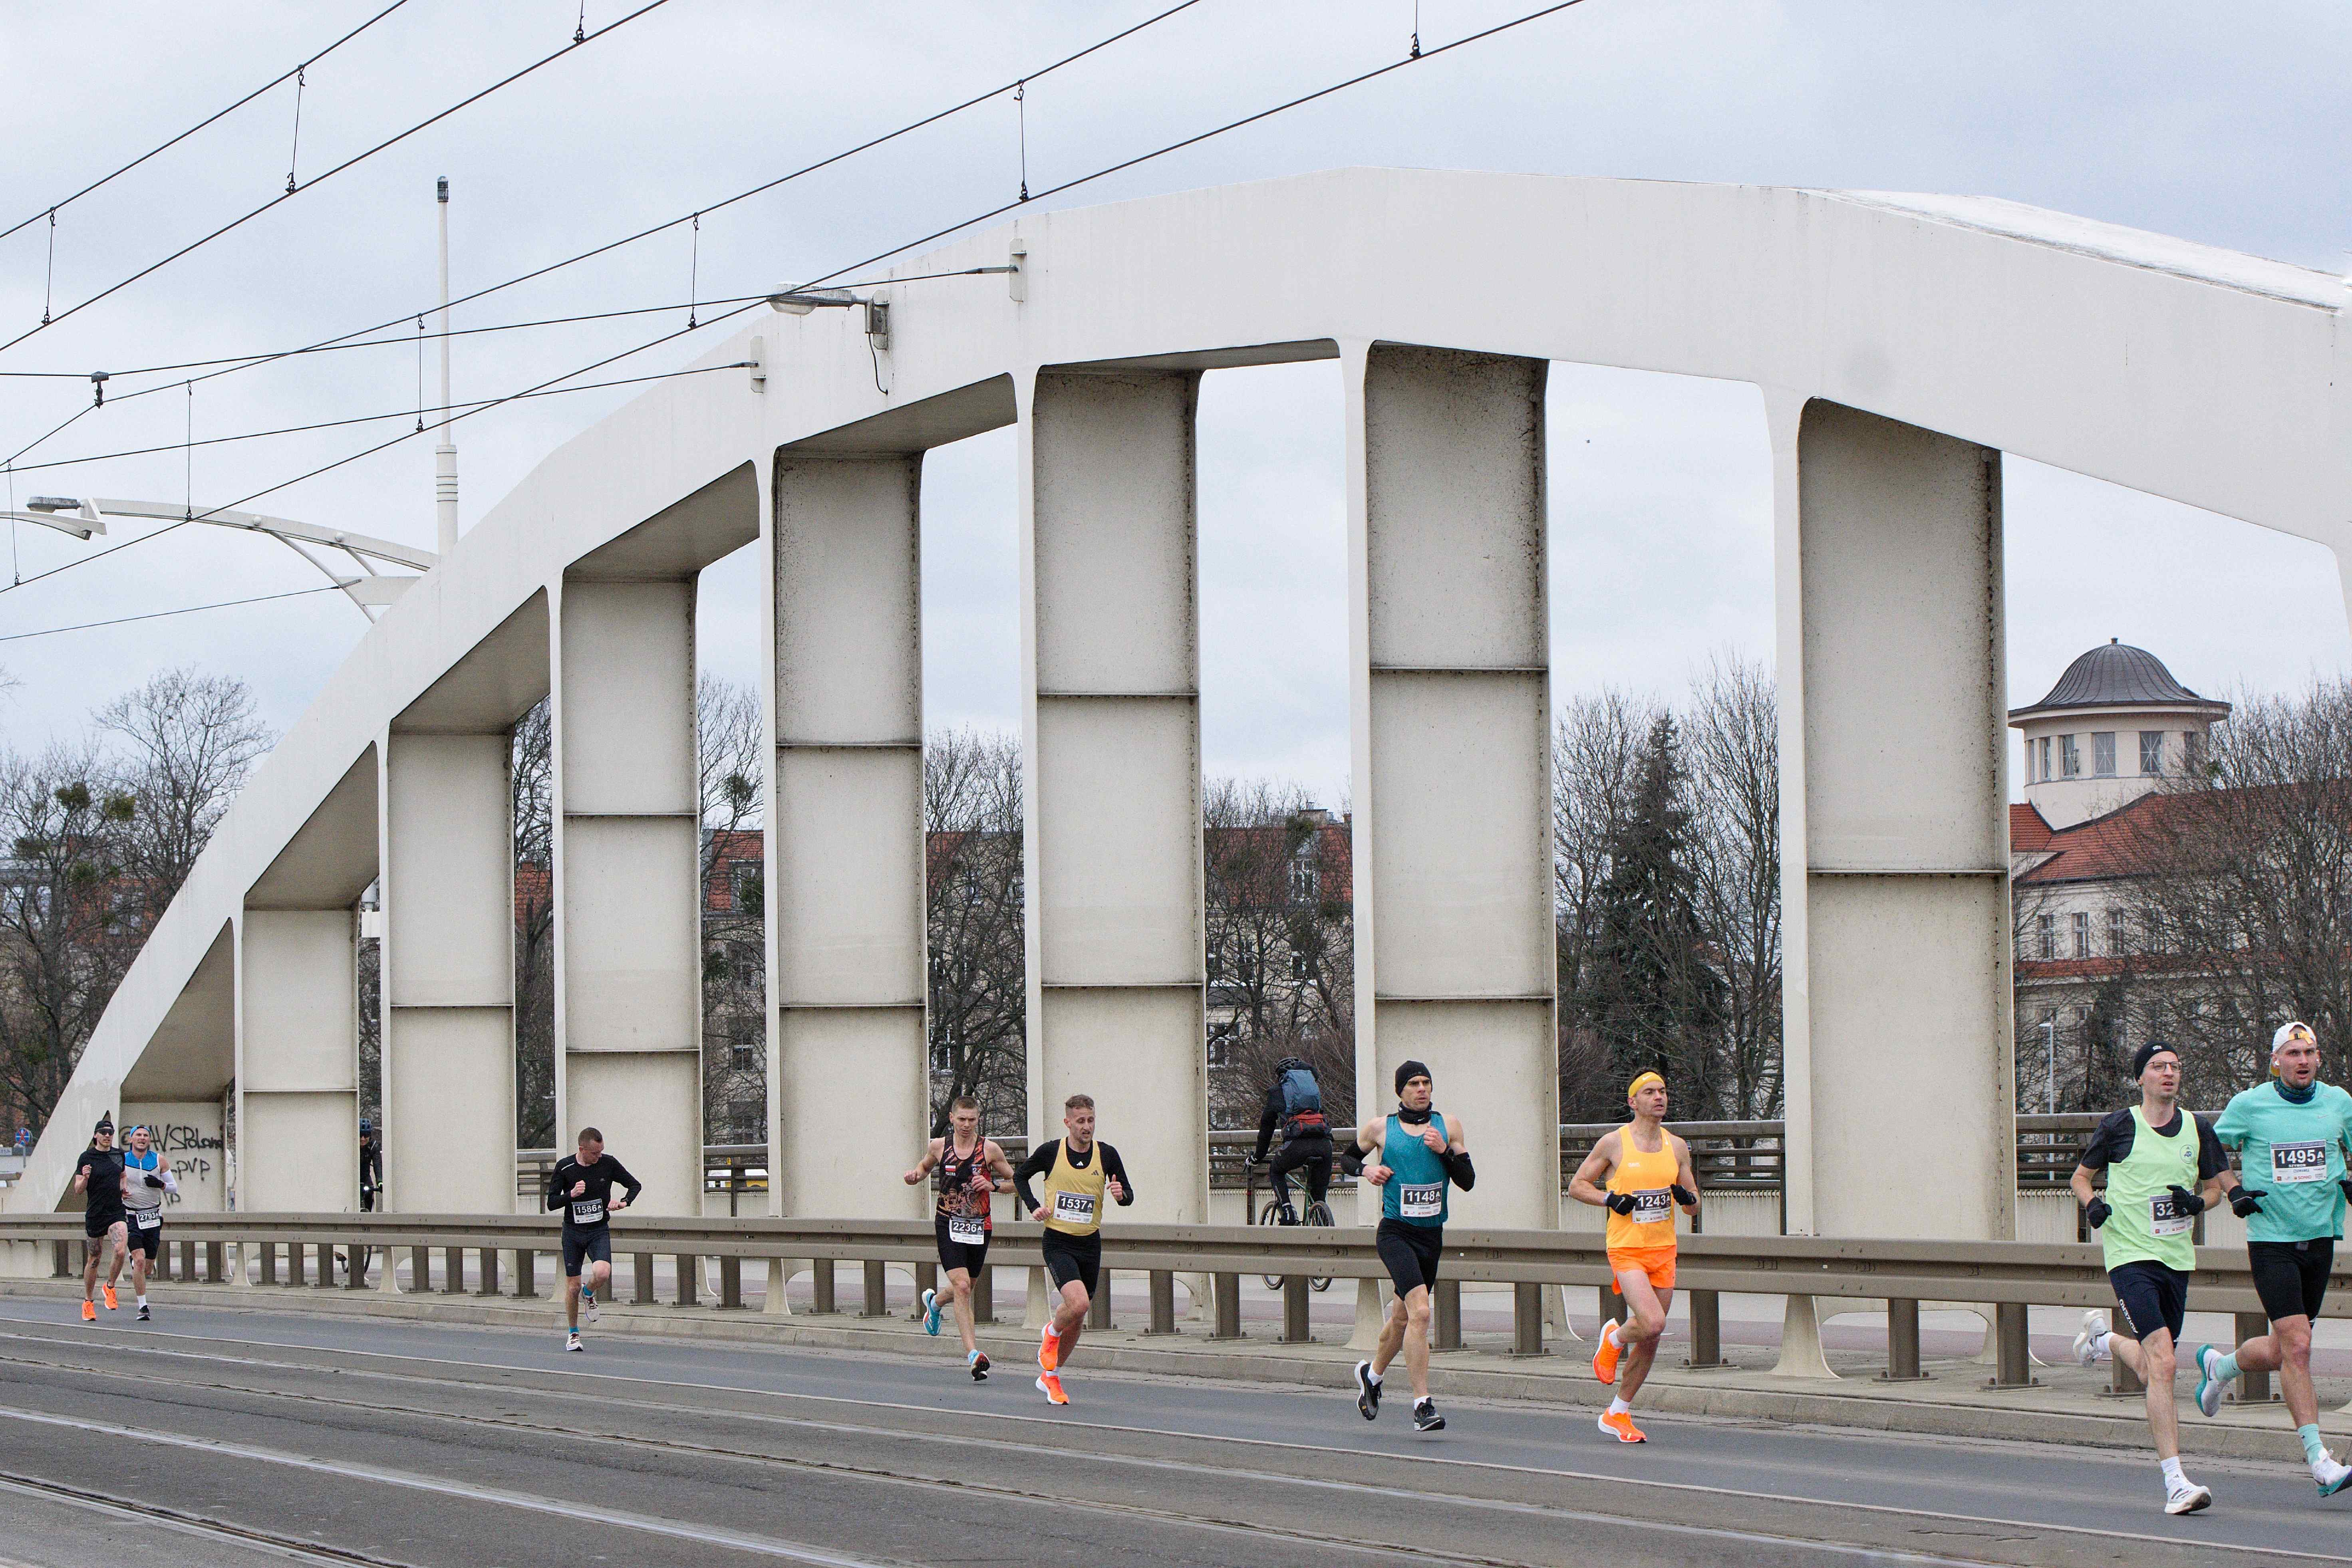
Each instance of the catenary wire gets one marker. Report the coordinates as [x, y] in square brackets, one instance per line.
[291, 192]
[744, 195]
[403, 412]
[1103, 173]
[183, 610]
[51, 211]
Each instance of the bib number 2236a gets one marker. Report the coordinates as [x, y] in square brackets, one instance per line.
[966, 1231]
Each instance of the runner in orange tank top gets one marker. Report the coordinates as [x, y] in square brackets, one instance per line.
[1639, 1174]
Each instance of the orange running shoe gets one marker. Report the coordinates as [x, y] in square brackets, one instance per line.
[1049, 1351]
[110, 1296]
[1604, 1360]
[1052, 1385]
[89, 1312]
[1621, 1427]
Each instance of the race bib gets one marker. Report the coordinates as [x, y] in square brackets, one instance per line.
[1421, 1202]
[2164, 1217]
[1653, 1205]
[966, 1231]
[1075, 1207]
[149, 1218]
[2292, 1164]
[587, 1211]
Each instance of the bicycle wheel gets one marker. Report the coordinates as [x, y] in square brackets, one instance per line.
[1272, 1214]
[1320, 1214]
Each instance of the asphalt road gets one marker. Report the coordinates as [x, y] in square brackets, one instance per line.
[258, 1436]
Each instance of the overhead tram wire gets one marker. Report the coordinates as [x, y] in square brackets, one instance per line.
[908, 129]
[1108, 169]
[54, 208]
[292, 191]
[410, 339]
[183, 610]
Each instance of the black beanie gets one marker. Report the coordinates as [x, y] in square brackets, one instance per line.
[1408, 1070]
[2148, 1053]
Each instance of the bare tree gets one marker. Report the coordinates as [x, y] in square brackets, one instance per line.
[979, 996]
[192, 739]
[730, 734]
[1596, 751]
[531, 799]
[1732, 741]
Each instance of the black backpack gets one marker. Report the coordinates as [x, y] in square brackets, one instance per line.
[1302, 1101]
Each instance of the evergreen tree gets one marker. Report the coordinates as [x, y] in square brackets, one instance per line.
[1651, 993]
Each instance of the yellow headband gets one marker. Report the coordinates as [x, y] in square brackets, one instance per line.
[1643, 1081]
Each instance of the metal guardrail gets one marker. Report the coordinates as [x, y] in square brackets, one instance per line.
[2006, 1276]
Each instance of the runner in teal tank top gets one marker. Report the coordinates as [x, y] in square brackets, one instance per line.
[2290, 1135]
[1410, 1155]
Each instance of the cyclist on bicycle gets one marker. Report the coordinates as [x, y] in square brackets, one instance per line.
[1294, 1102]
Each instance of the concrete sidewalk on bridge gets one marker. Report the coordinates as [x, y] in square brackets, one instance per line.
[2067, 1403]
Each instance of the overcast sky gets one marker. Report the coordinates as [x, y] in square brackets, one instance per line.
[2222, 124]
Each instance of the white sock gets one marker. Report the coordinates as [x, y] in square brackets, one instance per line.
[1619, 1407]
[2101, 1345]
[1610, 1334]
[1374, 1378]
[143, 1301]
[2173, 1479]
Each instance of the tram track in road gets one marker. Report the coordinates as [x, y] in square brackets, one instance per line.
[148, 1516]
[1247, 1493]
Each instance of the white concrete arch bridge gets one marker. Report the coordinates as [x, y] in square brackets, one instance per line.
[1902, 344]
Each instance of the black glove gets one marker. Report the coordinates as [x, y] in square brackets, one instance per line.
[1257, 1159]
[1683, 1196]
[2346, 1184]
[2185, 1200]
[2096, 1212]
[1621, 1202]
[154, 1180]
[2246, 1200]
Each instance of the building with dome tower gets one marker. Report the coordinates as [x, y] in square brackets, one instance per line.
[2100, 748]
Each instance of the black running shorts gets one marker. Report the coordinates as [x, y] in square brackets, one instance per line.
[954, 1255]
[579, 1245]
[2152, 1296]
[96, 1224]
[2291, 1276]
[1077, 1258]
[147, 1241]
[1410, 1252]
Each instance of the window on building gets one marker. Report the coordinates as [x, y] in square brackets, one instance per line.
[749, 880]
[2103, 753]
[943, 1048]
[2192, 748]
[748, 1118]
[2070, 759]
[2046, 759]
[2082, 926]
[2115, 939]
[1305, 875]
[1220, 1044]
[742, 1057]
[2045, 935]
[2151, 752]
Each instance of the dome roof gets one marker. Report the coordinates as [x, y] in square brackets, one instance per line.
[2115, 675]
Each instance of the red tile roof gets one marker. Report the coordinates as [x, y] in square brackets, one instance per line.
[2027, 831]
[2117, 844]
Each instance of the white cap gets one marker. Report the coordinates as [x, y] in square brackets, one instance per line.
[2288, 1031]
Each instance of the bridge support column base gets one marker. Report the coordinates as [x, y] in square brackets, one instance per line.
[1371, 1312]
[1801, 1341]
[779, 1273]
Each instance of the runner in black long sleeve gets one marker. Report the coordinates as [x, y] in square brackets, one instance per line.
[583, 1189]
[1080, 1173]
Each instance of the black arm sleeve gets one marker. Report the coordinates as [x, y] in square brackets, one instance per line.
[2212, 1159]
[555, 1185]
[1114, 1166]
[2112, 1141]
[1040, 1161]
[1352, 1157]
[1268, 1118]
[1457, 1168]
[621, 1176]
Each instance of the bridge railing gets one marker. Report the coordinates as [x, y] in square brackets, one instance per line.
[2004, 1277]
[1730, 1157]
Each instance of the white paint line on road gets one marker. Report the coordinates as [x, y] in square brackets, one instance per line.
[759, 1545]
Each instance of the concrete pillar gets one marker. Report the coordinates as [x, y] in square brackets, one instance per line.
[1111, 724]
[1895, 828]
[298, 1062]
[628, 934]
[846, 848]
[1452, 715]
[448, 975]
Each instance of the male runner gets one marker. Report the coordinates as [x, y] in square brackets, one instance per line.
[972, 1169]
[1295, 1104]
[2292, 1131]
[1410, 1155]
[98, 1176]
[1078, 1171]
[581, 1187]
[146, 1177]
[2153, 1153]
[1638, 1173]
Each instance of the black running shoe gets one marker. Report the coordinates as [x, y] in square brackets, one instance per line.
[1368, 1393]
[143, 1317]
[1426, 1417]
[979, 1364]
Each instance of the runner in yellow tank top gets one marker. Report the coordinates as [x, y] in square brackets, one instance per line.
[1638, 1173]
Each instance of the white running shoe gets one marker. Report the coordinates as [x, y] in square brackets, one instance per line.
[2086, 1343]
[2187, 1497]
[588, 1302]
[572, 1340]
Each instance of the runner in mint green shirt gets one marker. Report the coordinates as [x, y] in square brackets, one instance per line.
[2291, 1134]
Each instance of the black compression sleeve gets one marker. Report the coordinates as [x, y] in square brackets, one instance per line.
[620, 1173]
[1268, 1118]
[555, 1185]
[1457, 1166]
[1040, 1161]
[1114, 1166]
